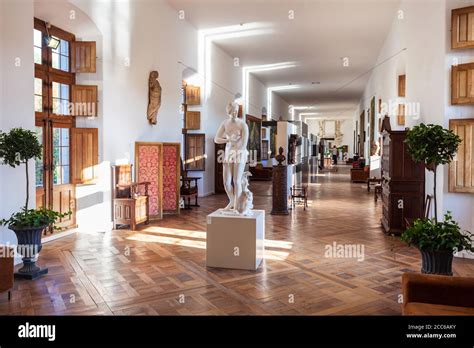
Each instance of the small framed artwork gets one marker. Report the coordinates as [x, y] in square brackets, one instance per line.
[192, 95]
[264, 133]
[195, 149]
[193, 120]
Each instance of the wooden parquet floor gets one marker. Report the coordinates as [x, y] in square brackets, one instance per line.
[161, 270]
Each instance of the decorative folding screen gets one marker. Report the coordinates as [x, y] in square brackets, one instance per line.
[148, 167]
[171, 177]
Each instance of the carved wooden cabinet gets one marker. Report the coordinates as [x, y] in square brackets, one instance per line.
[403, 184]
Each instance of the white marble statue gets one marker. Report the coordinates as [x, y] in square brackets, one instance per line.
[234, 132]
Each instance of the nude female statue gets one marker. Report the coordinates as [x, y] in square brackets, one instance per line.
[233, 132]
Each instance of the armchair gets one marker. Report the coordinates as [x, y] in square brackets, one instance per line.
[6, 269]
[188, 189]
[427, 294]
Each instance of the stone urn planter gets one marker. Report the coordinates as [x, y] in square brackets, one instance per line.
[29, 246]
[437, 262]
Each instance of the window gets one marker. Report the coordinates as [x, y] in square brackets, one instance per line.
[38, 46]
[39, 168]
[60, 99]
[38, 95]
[60, 56]
[61, 151]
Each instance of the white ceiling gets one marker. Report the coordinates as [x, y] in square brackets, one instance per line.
[320, 35]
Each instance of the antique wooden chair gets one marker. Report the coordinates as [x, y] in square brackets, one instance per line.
[299, 194]
[189, 188]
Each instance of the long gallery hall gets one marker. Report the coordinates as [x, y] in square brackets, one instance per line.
[262, 158]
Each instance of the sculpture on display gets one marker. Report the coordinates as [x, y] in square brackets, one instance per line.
[292, 143]
[245, 203]
[154, 97]
[280, 157]
[234, 133]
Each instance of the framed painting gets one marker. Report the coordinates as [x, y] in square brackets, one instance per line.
[192, 95]
[372, 123]
[148, 167]
[264, 133]
[255, 132]
[194, 152]
[171, 177]
[193, 120]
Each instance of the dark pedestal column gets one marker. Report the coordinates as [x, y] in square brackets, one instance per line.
[280, 190]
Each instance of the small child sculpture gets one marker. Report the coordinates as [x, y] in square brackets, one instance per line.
[245, 203]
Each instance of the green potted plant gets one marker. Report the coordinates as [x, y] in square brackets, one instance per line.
[437, 241]
[17, 147]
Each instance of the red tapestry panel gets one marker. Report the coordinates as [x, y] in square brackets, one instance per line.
[170, 177]
[148, 169]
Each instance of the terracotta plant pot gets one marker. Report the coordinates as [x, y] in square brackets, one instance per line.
[437, 262]
[29, 246]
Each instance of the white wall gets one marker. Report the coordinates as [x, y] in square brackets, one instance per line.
[460, 204]
[17, 101]
[257, 96]
[426, 63]
[280, 108]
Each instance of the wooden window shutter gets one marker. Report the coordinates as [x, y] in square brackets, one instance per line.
[461, 169]
[84, 100]
[84, 155]
[462, 84]
[462, 28]
[401, 85]
[83, 57]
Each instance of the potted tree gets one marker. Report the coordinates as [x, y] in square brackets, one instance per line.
[437, 241]
[17, 147]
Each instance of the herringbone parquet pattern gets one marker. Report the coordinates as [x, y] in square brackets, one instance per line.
[160, 270]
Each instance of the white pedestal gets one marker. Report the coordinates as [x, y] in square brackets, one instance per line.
[235, 241]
